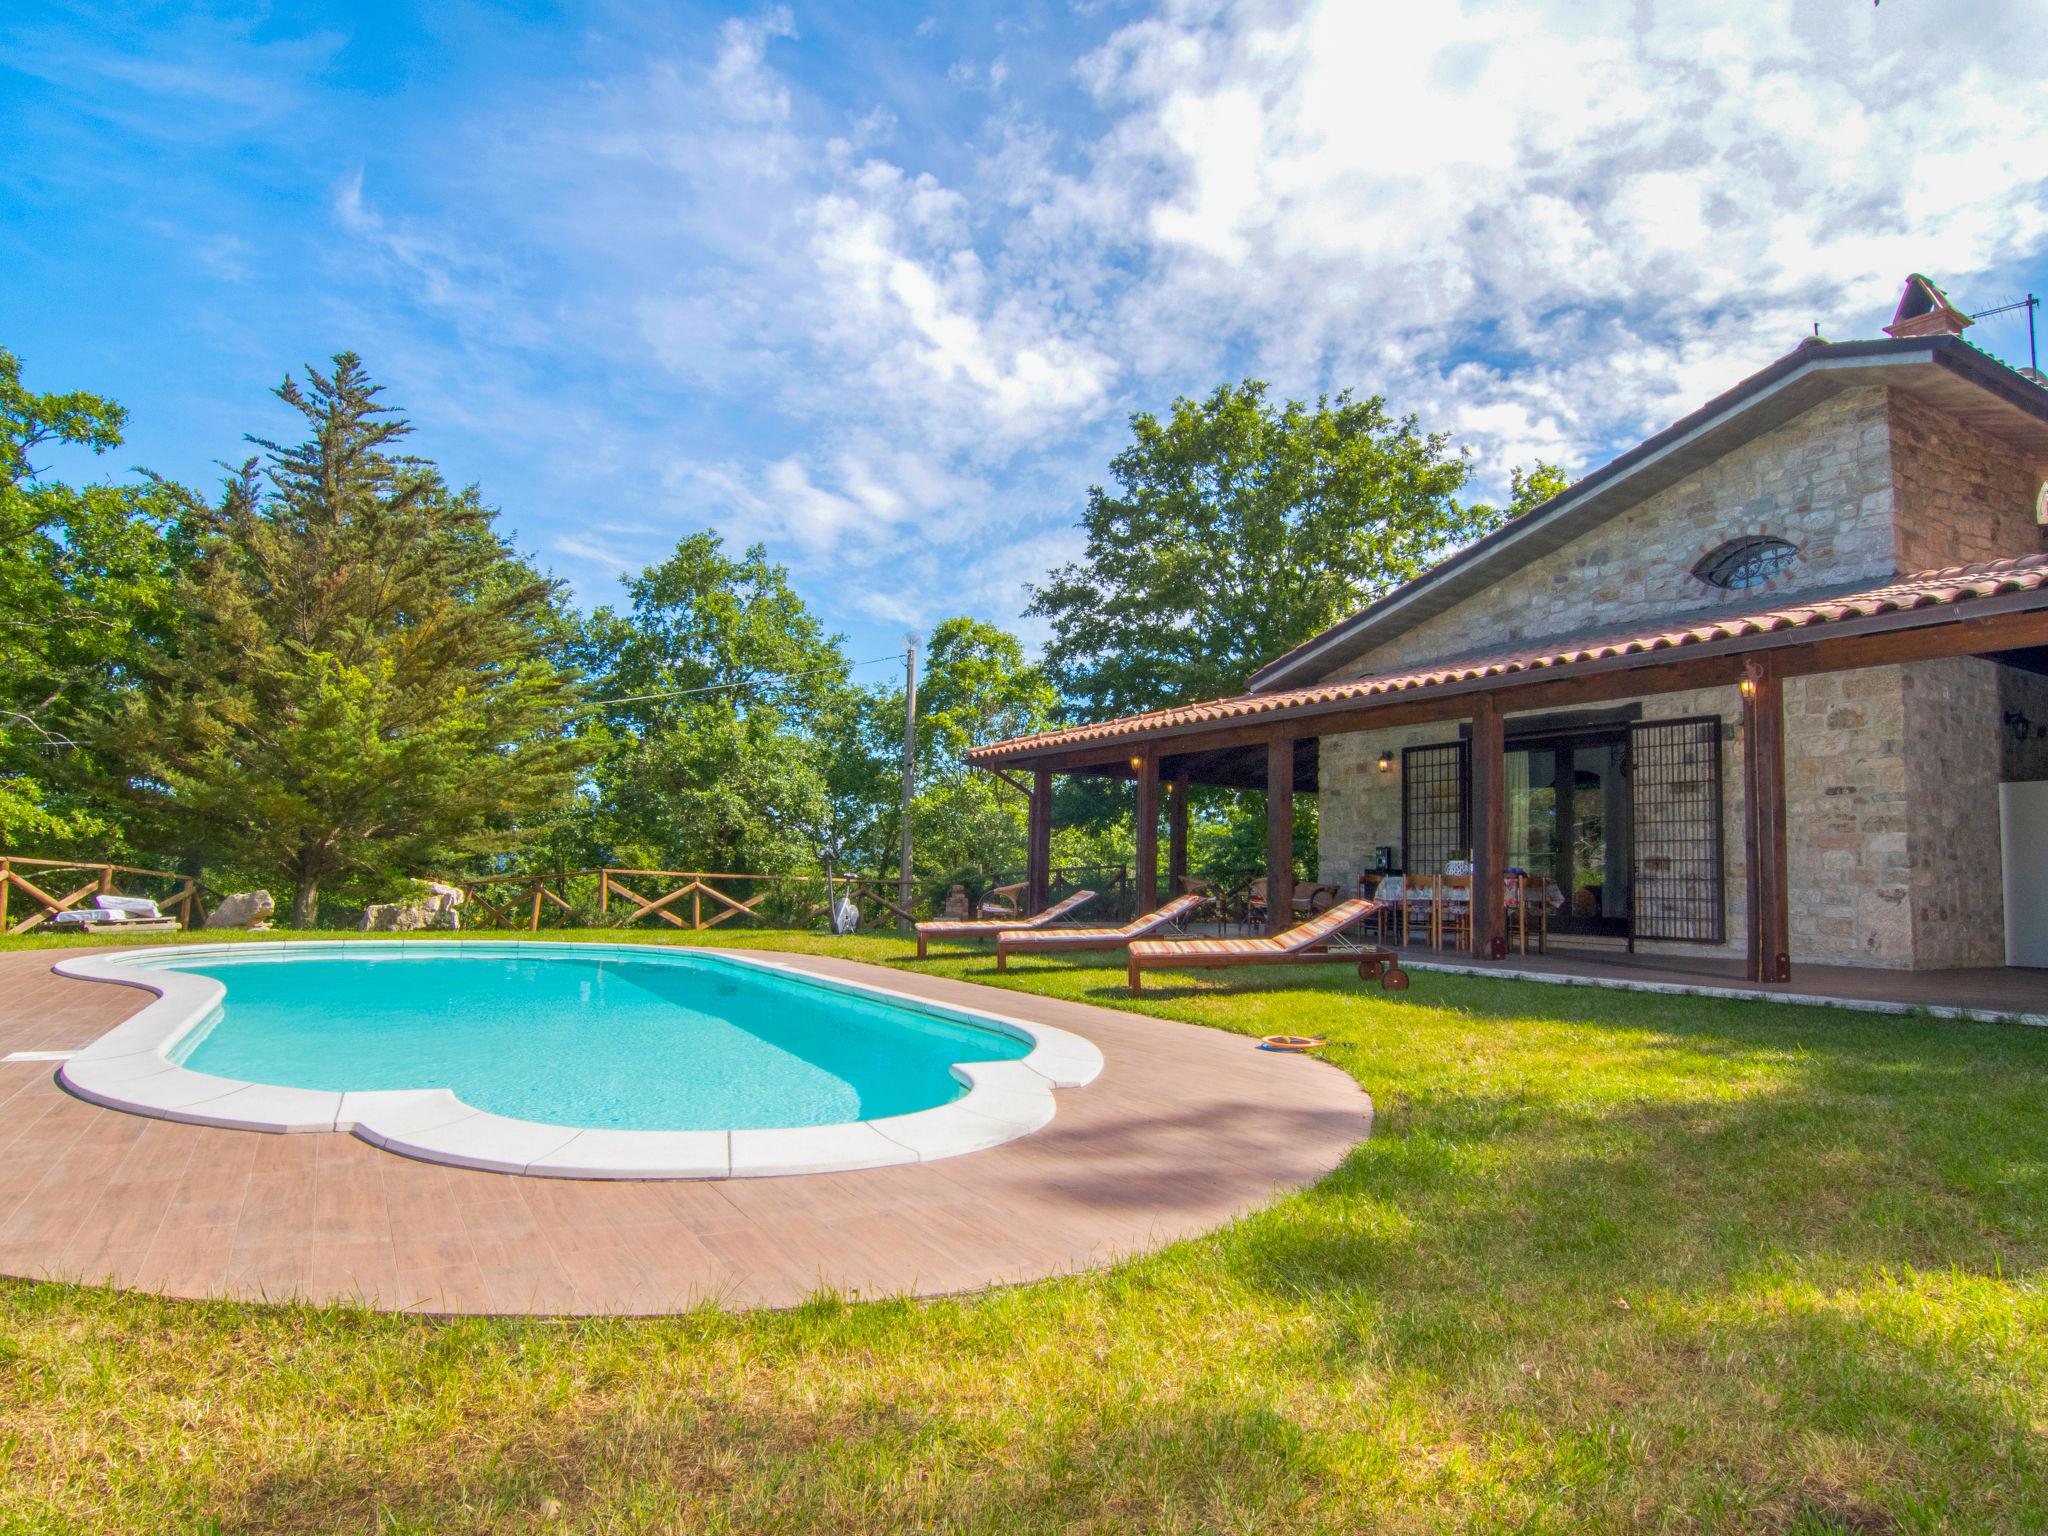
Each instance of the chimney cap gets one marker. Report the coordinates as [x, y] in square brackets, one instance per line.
[1924, 310]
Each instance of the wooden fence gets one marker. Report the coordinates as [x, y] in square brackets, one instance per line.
[696, 900]
[682, 898]
[185, 902]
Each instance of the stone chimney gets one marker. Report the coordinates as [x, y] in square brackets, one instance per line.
[1924, 310]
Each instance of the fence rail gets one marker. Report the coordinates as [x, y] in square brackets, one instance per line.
[682, 898]
[185, 903]
[696, 900]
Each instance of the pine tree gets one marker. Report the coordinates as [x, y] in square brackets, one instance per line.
[363, 682]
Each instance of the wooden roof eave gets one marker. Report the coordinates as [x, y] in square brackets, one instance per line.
[2010, 621]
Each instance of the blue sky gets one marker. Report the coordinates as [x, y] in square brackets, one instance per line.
[878, 285]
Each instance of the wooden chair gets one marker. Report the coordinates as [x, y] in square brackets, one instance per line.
[1304, 943]
[1389, 891]
[1453, 916]
[1419, 902]
[1522, 891]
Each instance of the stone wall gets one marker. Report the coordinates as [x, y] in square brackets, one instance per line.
[1359, 808]
[1954, 761]
[1846, 800]
[1823, 481]
[1961, 495]
[1846, 809]
[1893, 831]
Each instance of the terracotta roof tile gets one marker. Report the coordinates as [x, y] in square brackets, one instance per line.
[1925, 589]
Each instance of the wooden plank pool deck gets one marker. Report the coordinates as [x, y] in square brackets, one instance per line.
[1185, 1129]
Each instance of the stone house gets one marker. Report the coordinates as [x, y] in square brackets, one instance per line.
[1750, 688]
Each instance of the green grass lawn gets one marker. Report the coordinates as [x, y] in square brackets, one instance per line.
[1610, 1262]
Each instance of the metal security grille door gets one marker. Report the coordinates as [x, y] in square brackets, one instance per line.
[1436, 806]
[1675, 783]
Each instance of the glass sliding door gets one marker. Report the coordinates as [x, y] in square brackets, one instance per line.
[1625, 818]
[1568, 820]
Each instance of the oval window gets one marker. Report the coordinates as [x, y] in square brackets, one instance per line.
[1742, 563]
[2041, 504]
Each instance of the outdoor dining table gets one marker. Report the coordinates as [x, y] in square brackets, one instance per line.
[1442, 900]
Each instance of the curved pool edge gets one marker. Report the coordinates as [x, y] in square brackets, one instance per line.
[128, 1069]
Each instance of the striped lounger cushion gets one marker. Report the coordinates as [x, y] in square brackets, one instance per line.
[1151, 922]
[1302, 937]
[972, 927]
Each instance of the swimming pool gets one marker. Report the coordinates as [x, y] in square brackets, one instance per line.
[622, 1061]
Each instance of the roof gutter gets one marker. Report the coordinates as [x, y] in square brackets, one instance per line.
[1930, 615]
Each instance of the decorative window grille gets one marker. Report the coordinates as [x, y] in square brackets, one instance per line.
[1436, 806]
[1743, 563]
[1675, 785]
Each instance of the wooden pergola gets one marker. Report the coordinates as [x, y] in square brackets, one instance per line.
[1998, 611]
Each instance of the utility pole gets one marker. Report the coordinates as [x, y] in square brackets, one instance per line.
[904, 886]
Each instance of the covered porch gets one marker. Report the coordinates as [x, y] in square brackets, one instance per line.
[1276, 742]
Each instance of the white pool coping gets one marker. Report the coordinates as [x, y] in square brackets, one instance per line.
[129, 1069]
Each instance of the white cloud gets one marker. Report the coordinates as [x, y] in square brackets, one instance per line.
[1627, 206]
[899, 352]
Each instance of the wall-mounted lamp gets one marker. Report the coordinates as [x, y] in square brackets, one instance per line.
[2018, 725]
[1386, 762]
[1748, 687]
[1137, 764]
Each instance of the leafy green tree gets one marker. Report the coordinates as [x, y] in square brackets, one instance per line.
[85, 578]
[718, 684]
[976, 687]
[363, 684]
[1237, 529]
[1529, 488]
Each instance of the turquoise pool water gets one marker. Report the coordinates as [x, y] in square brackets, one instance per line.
[671, 1042]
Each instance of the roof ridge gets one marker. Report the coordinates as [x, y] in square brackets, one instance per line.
[1614, 477]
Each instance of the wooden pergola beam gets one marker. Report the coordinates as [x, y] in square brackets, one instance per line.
[1769, 883]
[1147, 813]
[1177, 838]
[1279, 833]
[1489, 830]
[1038, 844]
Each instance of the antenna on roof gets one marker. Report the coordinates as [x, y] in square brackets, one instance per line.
[2029, 304]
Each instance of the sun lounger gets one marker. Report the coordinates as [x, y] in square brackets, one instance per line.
[996, 927]
[128, 914]
[1302, 944]
[1019, 941]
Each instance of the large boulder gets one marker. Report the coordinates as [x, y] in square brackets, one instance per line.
[249, 909]
[434, 910]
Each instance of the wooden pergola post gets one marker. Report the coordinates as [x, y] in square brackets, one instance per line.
[1038, 845]
[1489, 830]
[1763, 821]
[1147, 767]
[1279, 833]
[1177, 838]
